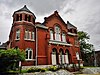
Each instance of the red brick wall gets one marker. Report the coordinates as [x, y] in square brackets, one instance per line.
[42, 54]
[43, 36]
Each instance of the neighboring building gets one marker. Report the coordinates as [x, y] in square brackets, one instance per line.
[52, 42]
[97, 58]
[3, 46]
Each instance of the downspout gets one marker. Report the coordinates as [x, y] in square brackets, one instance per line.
[36, 46]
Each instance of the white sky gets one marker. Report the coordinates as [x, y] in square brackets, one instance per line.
[84, 14]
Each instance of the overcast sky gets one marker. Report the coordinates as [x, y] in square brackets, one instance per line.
[84, 14]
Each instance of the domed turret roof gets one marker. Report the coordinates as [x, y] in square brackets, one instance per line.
[25, 9]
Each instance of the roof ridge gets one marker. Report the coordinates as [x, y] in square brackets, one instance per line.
[24, 9]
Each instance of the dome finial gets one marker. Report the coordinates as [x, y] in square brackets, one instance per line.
[24, 6]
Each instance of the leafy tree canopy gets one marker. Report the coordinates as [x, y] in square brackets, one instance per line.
[9, 58]
[85, 47]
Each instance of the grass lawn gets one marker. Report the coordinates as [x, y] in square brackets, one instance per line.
[87, 74]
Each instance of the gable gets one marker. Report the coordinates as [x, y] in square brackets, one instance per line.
[55, 19]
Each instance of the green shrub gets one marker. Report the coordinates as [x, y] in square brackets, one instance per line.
[44, 69]
[10, 58]
[24, 71]
[53, 68]
[34, 69]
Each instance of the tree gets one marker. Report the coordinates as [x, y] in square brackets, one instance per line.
[85, 47]
[10, 58]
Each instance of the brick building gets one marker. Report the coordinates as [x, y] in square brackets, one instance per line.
[52, 42]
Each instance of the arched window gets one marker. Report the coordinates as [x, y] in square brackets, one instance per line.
[66, 57]
[18, 34]
[33, 37]
[51, 34]
[75, 31]
[17, 17]
[29, 54]
[76, 41]
[20, 17]
[61, 56]
[29, 18]
[63, 37]
[77, 55]
[25, 17]
[29, 35]
[57, 33]
[26, 34]
[54, 56]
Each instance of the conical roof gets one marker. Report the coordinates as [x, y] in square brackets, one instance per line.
[25, 9]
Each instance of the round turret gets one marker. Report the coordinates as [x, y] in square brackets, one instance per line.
[24, 14]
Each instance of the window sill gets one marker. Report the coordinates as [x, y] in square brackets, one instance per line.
[29, 59]
[17, 39]
[59, 43]
[76, 45]
[29, 40]
[72, 34]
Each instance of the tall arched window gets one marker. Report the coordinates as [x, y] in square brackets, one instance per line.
[20, 17]
[51, 34]
[29, 18]
[17, 17]
[18, 34]
[61, 56]
[25, 17]
[29, 35]
[54, 56]
[29, 54]
[57, 33]
[33, 37]
[63, 37]
[77, 55]
[66, 57]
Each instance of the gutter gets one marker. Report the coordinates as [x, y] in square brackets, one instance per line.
[36, 46]
[38, 26]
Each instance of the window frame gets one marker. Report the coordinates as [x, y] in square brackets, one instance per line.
[17, 17]
[33, 35]
[28, 17]
[76, 42]
[29, 50]
[17, 34]
[51, 34]
[57, 33]
[77, 56]
[29, 35]
[63, 37]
